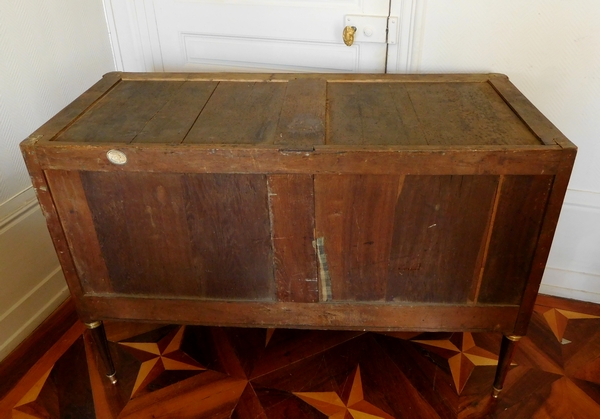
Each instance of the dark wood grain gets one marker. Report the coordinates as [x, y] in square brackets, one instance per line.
[355, 217]
[42, 191]
[302, 118]
[78, 226]
[435, 200]
[174, 120]
[228, 218]
[342, 316]
[157, 261]
[239, 113]
[555, 202]
[414, 160]
[521, 106]
[171, 240]
[466, 113]
[291, 201]
[249, 406]
[513, 242]
[59, 122]
[398, 373]
[366, 221]
[21, 359]
[372, 113]
[122, 114]
[434, 251]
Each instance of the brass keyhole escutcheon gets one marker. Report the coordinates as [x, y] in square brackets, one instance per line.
[348, 35]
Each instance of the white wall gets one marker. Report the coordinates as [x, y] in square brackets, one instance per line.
[550, 49]
[50, 52]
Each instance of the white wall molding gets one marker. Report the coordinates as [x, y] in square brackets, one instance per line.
[33, 284]
[16, 206]
[20, 320]
[133, 35]
[399, 56]
[573, 269]
[569, 284]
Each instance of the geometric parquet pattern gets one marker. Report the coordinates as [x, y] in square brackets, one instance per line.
[208, 372]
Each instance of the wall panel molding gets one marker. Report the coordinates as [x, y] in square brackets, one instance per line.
[33, 283]
[573, 269]
[400, 54]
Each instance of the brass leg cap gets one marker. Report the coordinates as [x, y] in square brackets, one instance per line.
[113, 378]
[496, 392]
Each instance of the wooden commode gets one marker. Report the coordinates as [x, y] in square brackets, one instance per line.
[376, 202]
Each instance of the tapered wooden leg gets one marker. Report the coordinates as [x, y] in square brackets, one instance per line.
[99, 336]
[507, 350]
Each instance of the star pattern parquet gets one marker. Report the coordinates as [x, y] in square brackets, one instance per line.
[203, 372]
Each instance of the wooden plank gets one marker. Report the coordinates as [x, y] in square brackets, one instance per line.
[485, 246]
[342, 316]
[372, 113]
[75, 109]
[327, 160]
[178, 235]
[42, 191]
[528, 113]
[122, 114]
[467, 113]
[172, 123]
[140, 221]
[355, 217]
[291, 202]
[514, 239]
[78, 225]
[555, 203]
[341, 77]
[439, 226]
[302, 119]
[239, 113]
[228, 220]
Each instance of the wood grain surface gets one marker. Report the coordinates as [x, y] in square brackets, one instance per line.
[307, 374]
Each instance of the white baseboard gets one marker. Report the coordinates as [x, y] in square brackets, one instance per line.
[29, 312]
[31, 280]
[573, 269]
[573, 285]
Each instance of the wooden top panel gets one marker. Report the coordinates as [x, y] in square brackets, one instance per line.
[298, 111]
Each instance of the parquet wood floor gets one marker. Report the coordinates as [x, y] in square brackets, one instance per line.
[203, 372]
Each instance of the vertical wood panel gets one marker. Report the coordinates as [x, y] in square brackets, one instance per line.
[413, 238]
[141, 226]
[440, 223]
[355, 216]
[183, 235]
[78, 225]
[292, 209]
[518, 220]
[228, 220]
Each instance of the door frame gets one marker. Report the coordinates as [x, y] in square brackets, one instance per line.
[136, 46]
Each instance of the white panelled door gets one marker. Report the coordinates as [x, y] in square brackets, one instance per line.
[250, 35]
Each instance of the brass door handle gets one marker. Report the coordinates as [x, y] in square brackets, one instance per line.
[348, 35]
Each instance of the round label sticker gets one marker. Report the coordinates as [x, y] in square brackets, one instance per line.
[116, 157]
